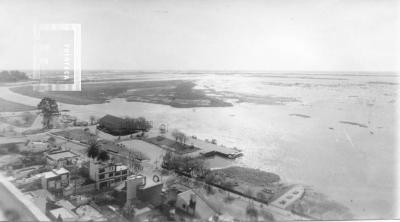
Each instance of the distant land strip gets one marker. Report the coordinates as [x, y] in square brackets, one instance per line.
[353, 123]
[299, 115]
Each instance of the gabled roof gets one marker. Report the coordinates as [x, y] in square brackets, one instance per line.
[112, 120]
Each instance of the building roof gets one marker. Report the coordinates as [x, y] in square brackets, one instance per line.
[62, 155]
[54, 173]
[49, 174]
[60, 171]
[64, 213]
[87, 212]
[112, 121]
[203, 210]
[121, 167]
[66, 204]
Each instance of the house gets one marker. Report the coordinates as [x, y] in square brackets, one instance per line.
[147, 190]
[61, 158]
[107, 174]
[55, 180]
[88, 213]
[62, 214]
[192, 204]
[113, 125]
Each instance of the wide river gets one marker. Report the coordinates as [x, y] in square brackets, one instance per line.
[351, 164]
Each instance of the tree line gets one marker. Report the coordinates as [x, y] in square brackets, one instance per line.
[12, 76]
[137, 124]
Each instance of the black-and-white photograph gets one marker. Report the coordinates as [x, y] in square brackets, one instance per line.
[199, 110]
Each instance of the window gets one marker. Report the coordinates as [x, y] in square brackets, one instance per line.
[51, 184]
[110, 174]
[101, 170]
[124, 172]
[101, 176]
[183, 206]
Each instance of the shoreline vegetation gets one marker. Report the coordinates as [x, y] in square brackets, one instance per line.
[175, 93]
[354, 124]
[12, 76]
[299, 115]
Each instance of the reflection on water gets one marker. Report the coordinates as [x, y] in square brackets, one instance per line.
[351, 164]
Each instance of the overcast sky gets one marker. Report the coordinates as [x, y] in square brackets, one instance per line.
[323, 35]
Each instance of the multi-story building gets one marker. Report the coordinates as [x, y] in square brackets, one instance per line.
[107, 174]
[55, 180]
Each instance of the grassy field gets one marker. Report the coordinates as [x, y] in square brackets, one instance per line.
[175, 93]
[25, 119]
[319, 206]
[7, 106]
[76, 134]
[171, 144]
[251, 181]
[253, 176]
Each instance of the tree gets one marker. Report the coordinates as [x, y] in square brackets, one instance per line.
[103, 156]
[249, 193]
[51, 140]
[92, 120]
[49, 109]
[175, 134]
[261, 195]
[27, 117]
[252, 212]
[93, 149]
[167, 158]
[179, 136]
[183, 138]
[268, 216]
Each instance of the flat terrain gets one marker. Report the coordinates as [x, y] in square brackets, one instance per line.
[176, 93]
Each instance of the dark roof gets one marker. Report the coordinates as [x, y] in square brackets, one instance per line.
[111, 121]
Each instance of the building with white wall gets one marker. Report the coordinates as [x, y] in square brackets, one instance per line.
[107, 174]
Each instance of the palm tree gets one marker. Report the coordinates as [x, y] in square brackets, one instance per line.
[103, 156]
[93, 149]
